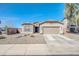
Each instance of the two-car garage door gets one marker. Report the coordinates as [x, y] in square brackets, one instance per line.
[51, 30]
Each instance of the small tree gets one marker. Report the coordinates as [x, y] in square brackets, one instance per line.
[6, 27]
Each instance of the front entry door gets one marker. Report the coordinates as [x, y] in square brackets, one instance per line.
[36, 29]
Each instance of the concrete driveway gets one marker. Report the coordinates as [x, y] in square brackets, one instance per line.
[59, 39]
[55, 45]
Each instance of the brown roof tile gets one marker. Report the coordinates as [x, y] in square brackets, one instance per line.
[26, 24]
[50, 22]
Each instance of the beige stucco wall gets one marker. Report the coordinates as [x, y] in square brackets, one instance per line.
[65, 21]
[27, 29]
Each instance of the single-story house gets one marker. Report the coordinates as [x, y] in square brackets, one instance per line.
[47, 27]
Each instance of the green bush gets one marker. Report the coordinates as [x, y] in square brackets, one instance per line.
[2, 37]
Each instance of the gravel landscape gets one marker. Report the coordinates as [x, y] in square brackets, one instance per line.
[22, 39]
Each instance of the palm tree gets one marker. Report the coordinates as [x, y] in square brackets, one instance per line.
[77, 14]
[69, 12]
[72, 13]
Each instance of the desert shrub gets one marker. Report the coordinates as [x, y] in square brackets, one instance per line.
[32, 36]
[25, 35]
[2, 37]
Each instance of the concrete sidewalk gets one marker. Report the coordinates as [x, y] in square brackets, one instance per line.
[24, 49]
[37, 49]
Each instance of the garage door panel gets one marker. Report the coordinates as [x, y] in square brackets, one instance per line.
[51, 30]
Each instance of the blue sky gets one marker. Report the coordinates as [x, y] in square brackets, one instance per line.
[16, 14]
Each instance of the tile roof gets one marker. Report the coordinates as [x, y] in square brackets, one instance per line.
[26, 24]
[51, 22]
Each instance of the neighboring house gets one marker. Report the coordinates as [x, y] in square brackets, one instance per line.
[47, 27]
[12, 31]
[69, 27]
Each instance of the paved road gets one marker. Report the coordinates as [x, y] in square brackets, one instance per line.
[55, 45]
